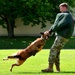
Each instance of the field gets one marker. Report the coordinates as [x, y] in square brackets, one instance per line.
[34, 65]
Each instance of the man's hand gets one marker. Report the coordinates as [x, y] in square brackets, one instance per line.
[47, 33]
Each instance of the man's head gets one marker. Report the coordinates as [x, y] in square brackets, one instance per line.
[63, 7]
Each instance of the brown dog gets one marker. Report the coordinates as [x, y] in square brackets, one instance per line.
[32, 49]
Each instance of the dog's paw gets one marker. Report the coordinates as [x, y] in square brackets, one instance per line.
[5, 58]
[10, 69]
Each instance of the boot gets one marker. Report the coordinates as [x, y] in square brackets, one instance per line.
[49, 69]
[57, 67]
[57, 64]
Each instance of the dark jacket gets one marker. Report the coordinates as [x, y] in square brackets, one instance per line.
[63, 25]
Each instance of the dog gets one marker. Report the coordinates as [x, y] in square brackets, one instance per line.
[30, 50]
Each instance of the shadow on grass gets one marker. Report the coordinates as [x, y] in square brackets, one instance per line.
[65, 72]
[29, 73]
[62, 72]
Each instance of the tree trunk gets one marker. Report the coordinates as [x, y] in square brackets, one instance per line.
[10, 31]
[10, 28]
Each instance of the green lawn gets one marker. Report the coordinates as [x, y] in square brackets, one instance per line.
[34, 65]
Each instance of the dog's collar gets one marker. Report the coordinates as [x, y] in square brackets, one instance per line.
[43, 39]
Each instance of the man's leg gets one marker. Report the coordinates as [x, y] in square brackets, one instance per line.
[57, 62]
[61, 43]
[55, 52]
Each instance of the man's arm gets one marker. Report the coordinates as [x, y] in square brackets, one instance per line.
[61, 22]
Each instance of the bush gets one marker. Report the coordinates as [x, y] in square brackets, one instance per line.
[23, 42]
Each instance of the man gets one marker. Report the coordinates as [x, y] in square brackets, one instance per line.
[63, 28]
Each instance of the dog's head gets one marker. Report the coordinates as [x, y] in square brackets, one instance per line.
[44, 35]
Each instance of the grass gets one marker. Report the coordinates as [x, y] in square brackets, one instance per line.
[34, 65]
[22, 42]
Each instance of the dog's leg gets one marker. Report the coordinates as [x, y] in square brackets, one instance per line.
[19, 62]
[12, 57]
[9, 57]
[13, 66]
[5, 58]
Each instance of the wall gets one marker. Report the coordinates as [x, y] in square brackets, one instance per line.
[22, 30]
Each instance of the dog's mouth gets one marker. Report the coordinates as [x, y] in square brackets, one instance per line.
[44, 37]
[47, 37]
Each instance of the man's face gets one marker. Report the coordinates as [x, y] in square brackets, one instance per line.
[63, 8]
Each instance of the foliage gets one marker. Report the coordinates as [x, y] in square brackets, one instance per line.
[36, 12]
[8, 10]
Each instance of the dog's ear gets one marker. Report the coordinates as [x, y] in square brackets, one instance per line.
[41, 33]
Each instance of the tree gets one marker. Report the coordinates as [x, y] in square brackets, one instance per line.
[30, 11]
[8, 14]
